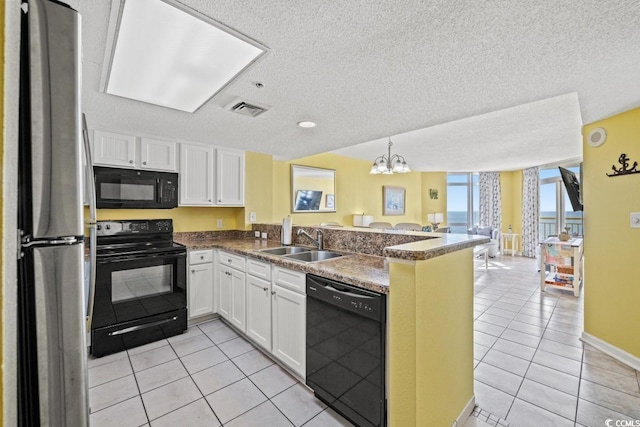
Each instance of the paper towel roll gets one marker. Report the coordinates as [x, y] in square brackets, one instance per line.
[286, 230]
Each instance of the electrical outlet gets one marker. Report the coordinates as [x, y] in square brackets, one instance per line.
[256, 234]
[264, 235]
[252, 217]
[219, 223]
[635, 219]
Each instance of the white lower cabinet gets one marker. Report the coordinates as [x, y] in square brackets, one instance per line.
[232, 289]
[200, 283]
[259, 311]
[267, 303]
[289, 317]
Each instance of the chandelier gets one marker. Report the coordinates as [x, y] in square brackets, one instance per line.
[388, 164]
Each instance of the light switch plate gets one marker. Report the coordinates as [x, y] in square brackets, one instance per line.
[264, 235]
[256, 234]
[635, 219]
[219, 223]
[252, 217]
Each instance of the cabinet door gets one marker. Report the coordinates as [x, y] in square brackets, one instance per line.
[289, 315]
[224, 291]
[200, 290]
[259, 311]
[114, 149]
[158, 155]
[196, 175]
[229, 177]
[238, 300]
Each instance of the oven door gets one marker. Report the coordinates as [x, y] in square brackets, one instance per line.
[138, 299]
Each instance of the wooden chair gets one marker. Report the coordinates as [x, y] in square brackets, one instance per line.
[380, 225]
[408, 226]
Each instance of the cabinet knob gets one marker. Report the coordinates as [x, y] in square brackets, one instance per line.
[201, 256]
[193, 272]
[219, 201]
[131, 161]
[209, 200]
[144, 163]
[230, 261]
[273, 292]
[265, 289]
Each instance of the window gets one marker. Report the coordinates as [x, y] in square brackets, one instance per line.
[463, 201]
[555, 207]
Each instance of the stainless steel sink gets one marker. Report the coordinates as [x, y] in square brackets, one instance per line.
[313, 256]
[285, 250]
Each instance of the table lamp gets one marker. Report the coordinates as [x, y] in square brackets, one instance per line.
[435, 219]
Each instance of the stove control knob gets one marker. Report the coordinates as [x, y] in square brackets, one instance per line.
[108, 227]
[98, 227]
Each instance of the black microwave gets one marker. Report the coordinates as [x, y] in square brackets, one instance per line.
[135, 189]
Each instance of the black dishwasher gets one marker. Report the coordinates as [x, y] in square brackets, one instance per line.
[346, 349]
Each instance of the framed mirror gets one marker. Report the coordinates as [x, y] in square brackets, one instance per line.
[313, 189]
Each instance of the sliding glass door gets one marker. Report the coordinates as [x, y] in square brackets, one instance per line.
[555, 208]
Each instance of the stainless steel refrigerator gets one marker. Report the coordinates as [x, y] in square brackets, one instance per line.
[52, 371]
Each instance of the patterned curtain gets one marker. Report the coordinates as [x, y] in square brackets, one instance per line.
[530, 211]
[490, 200]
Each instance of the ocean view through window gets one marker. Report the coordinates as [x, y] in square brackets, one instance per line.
[463, 201]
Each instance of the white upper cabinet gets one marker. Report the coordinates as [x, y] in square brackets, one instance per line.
[229, 177]
[156, 154]
[114, 149]
[196, 175]
[126, 151]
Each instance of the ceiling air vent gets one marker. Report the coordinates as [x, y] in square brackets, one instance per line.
[246, 109]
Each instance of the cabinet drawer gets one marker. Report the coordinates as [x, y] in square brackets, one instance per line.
[200, 257]
[259, 269]
[289, 279]
[232, 260]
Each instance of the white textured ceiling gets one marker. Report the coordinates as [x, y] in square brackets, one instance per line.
[365, 70]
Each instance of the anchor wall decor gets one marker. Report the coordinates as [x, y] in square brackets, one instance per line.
[624, 169]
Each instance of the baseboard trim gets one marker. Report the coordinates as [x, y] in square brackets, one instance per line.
[466, 412]
[613, 351]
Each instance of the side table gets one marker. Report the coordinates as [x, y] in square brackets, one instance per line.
[514, 241]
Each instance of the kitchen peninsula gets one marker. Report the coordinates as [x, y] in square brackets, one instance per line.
[428, 279]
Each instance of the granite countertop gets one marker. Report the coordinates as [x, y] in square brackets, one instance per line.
[365, 271]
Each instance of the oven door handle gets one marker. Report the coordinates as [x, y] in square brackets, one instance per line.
[163, 255]
[145, 326]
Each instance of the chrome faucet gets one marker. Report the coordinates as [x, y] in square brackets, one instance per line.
[318, 240]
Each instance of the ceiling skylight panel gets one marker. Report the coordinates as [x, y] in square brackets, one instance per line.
[168, 56]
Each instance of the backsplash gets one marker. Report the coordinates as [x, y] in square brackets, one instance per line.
[365, 241]
[222, 234]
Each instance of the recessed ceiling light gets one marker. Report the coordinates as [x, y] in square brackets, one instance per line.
[306, 124]
[169, 55]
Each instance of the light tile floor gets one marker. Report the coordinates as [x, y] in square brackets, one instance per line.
[530, 366]
[208, 376]
[530, 370]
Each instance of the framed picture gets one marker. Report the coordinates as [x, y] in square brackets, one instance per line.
[330, 201]
[392, 200]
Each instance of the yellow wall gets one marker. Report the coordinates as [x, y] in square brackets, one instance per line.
[258, 189]
[184, 218]
[2, 60]
[356, 191]
[611, 247]
[511, 193]
[438, 181]
[431, 307]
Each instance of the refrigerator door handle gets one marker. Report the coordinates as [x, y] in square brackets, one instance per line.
[91, 184]
[90, 225]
